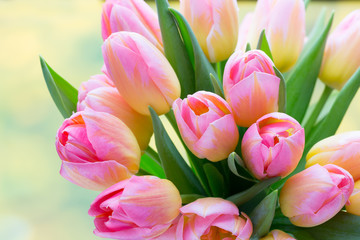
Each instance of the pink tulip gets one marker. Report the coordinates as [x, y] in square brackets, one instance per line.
[273, 146]
[108, 99]
[244, 32]
[132, 16]
[212, 218]
[206, 125]
[215, 24]
[137, 208]
[141, 73]
[315, 195]
[342, 150]
[97, 150]
[251, 87]
[342, 52]
[277, 235]
[284, 24]
[353, 206]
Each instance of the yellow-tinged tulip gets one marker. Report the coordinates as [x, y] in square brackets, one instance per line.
[342, 150]
[277, 235]
[215, 24]
[354, 201]
[342, 52]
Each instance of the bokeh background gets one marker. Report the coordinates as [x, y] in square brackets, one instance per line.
[36, 203]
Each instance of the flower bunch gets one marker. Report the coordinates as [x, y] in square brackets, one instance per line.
[259, 162]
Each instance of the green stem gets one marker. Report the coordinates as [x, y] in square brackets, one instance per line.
[153, 154]
[171, 118]
[317, 110]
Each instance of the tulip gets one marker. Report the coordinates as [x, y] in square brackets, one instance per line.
[137, 208]
[132, 16]
[273, 146]
[206, 125]
[284, 24]
[108, 99]
[315, 195]
[342, 53]
[354, 201]
[251, 87]
[213, 218]
[277, 235]
[215, 25]
[141, 73]
[244, 32]
[342, 150]
[97, 150]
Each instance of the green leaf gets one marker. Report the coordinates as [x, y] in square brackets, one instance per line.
[175, 50]
[282, 91]
[247, 195]
[151, 166]
[342, 226]
[202, 66]
[238, 168]
[63, 94]
[307, 3]
[248, 47]
[189, 198]
[263, 45]
[218, 90]
[263, 215]
[332, 120]
[175, 167]
[300, 85]
[215, 179]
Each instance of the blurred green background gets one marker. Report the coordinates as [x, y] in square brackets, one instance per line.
[36, 203]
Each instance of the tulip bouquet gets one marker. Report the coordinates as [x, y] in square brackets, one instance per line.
[260, 161]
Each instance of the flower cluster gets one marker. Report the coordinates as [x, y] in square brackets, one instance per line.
[242, 124]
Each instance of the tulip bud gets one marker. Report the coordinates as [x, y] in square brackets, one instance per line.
[251, 87]
[132, 16]
[137, 208]
[215, 25]
[315, 195]
[273, 146]
[97, 150]
[342, 52]
[213, 218]
[206, 125]
[342, 150]
[284, 24]
[354, 201]
[277, 235]
[141, 73]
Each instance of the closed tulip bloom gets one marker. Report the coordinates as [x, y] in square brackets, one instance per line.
[141, 73]
[342, 52]
[97, 150]
[315, 195]
[273, 146]
[251, 87]
[215, 24]
[284, 24]
[132, 16]
[213, 218]
[277, 235]
[206, 125]
[342, 150]
[137, 208]
[244, 32]
[108, 99]
[353, 206]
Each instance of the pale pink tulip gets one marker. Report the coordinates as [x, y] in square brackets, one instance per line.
[132, 16]
[244, 32]
[213, 218]
[250, 85]
[342, 52]
[97, 150]
[137, 208]
[215, 24]
[108, 99]
[353, 206]
[277, 235]
[141, 73]
[206, 125]
[342, 150]
[273, 146]
[316, 194]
